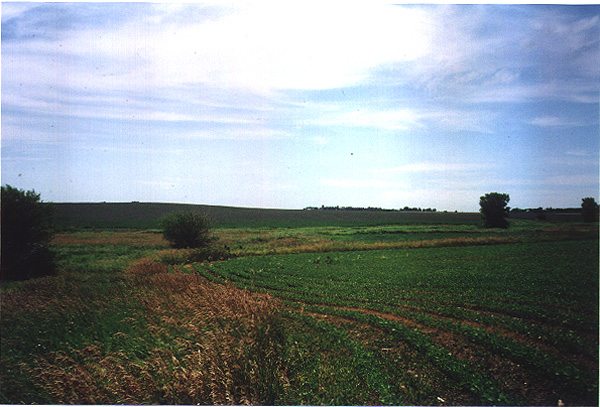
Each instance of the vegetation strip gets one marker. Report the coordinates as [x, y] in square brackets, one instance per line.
[128, 320]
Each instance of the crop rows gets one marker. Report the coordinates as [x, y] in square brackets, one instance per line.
[526, 305]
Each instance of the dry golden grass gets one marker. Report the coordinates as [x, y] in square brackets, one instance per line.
[46, 294]
[219, 345]
[90, 376]
[291, 246]
[315, 244]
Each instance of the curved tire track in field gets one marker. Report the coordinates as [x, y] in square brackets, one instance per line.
[452, 346]
[551, 337]
[506, 365]
[489, 327]
[512, 376]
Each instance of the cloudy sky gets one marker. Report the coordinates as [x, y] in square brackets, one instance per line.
[295, 105]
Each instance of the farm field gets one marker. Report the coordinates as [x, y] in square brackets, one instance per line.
[146, 215]
[142, 215]
[416, 313]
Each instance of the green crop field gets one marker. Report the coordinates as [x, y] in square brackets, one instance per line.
[142, 215]
[480, 319]
[146, 216]
[311, 311]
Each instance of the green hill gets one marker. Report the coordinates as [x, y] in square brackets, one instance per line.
[146, 216]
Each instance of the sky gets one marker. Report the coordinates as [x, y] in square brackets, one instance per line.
[302, 104]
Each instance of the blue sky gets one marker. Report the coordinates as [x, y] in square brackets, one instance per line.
[294, 105]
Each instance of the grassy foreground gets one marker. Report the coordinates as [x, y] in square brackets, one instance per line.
[390, 314]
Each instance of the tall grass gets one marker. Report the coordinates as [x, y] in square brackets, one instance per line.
[155, 337]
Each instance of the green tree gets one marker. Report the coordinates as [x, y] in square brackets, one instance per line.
[589, 209]
[186, 229]
[494, 210]
[26, 234]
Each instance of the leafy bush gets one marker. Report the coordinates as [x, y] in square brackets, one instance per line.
[494, 210]
[589, 209]
[185, 230]
[26, 235]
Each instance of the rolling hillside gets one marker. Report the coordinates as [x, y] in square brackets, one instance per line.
[146, 215]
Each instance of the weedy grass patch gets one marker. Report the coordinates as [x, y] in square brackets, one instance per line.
[154, 337]
[243, 242]
[413, 314]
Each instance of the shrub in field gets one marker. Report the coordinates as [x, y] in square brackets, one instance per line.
[494, 209]
[589, 209]
[186, 230]
[26, 234]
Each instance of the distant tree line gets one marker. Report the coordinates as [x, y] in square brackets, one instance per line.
[588, 210]
[407, 209]
[540, 209]
[367, 209]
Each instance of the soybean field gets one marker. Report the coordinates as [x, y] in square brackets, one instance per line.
[501, 324]
[412, 313]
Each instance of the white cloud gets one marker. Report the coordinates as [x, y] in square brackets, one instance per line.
[400, 119]
[464, 120]
[359, 183]
[14, 9]
[574, 158]
[320, 140]
[553, 121]
[581, 153]
[405, 118]
[298, 46]
[577, 90]
[261, 47]
[266, 47]
[113, 107]
[520, 54]
[238, 133]
[562, 181]
[435, 167]
[547, 121]
[572, 180]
